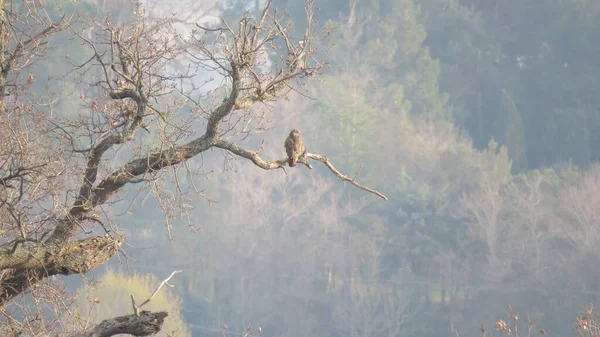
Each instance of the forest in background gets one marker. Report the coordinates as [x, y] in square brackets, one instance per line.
[479, 121]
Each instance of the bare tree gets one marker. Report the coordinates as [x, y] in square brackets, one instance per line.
[528, 216]
[141, 123]
[577, 224]
[484, 210]
[579, 205]
[372, 306]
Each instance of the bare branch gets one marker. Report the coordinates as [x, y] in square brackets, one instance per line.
[214, 122]
[8, 63]
[136, 308]
[330, 166]
[242, 57]
[258, 161]
[253, 156]
[151, 163]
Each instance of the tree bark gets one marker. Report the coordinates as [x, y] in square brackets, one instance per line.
[147, 323]
[27, 265]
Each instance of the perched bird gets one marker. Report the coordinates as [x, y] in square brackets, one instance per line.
[294, 147]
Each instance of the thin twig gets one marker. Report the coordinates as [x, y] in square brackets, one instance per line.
[327, 163]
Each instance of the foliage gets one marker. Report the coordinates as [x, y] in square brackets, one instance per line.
[526, 84]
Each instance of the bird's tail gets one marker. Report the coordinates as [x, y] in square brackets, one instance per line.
[292, 162]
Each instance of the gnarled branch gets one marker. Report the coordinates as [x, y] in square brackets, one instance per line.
[28, 264]
[142, 323]
[145, 324]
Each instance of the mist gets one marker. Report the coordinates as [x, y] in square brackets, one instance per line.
[477, 119]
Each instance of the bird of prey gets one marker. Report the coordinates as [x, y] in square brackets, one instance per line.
[294, 147]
